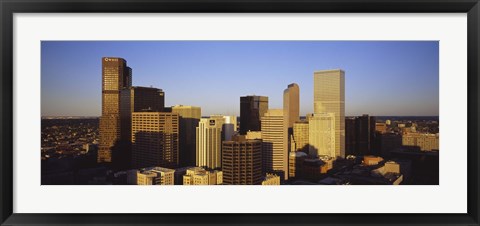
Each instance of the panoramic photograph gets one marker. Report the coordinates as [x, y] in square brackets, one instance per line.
[240, 113]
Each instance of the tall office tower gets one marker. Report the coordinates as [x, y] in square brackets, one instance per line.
[291, 111]
[229, 127]
[189, 118]
[155, 139]
[365, 134]
[275, 150]
[116, 75]
[322, 135]
[242, 161]
[136, 99]
[300, 135]
[252, 109]
[329, 97]
[209, 142]
[350, 137]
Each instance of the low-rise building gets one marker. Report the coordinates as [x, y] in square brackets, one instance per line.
[155, 176]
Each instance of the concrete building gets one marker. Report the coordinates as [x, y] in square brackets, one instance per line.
[300, 136]
[321, 135]
[425, 142]
[189, 118]
[242, 161]
[271, 179]
[155, 139]
[209, 142]
[252, 108]
[116, 75]
[329, 97]
[275, 150]
[200, 176]
[155, 176]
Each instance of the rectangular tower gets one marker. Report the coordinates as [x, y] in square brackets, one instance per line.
[155, 139]
[275, 150]
[189, 118]
[209, 142]
[252, 109]
[116, 75]
[329, 97]
[242, 161]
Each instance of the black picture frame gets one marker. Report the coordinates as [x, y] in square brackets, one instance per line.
[9, 7]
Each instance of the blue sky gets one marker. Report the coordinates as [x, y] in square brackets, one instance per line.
[381, 77]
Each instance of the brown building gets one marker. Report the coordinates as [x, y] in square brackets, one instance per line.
[291, 110]
[116, 75]
[252, 109]
[189, 118]
[242, 161]
[155, 139]
[300, 135]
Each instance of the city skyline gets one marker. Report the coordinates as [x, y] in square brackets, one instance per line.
[376, 92]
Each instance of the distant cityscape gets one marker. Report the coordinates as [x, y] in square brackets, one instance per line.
[138, 140]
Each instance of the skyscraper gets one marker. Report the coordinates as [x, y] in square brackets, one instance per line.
[242, 161]
[252, 109]
[329, 97]
[291, 111]
[155, 139]
[321, 135]
[209, 142]
[116, 75]
[229, 127]
[275, 150]
[189, 118]
[136, 99]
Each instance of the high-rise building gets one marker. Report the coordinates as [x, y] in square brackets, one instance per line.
[189, 118]
[136, 99]
[322, 135]
[209, 142]
[360, 135]
[242, 161]
[365, 134]
[329, 97]
[275, 150]
[155, 176]
[116, 75]
[155, 139]
[291, 107]
[252, 108]
[291, 112]
[295, 164]
[300, 136]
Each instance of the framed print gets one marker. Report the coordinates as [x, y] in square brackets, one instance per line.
[260, 112]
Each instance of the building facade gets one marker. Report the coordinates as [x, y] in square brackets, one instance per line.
[275, 150]
[116, 75]
[155, 176]
[242, 161]
[200, 176]
[252, 108]
[291, 110]
[189, 118]
[321, 135]
[209, 142]
[155, 139]
[329, 97]
[300, 136]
